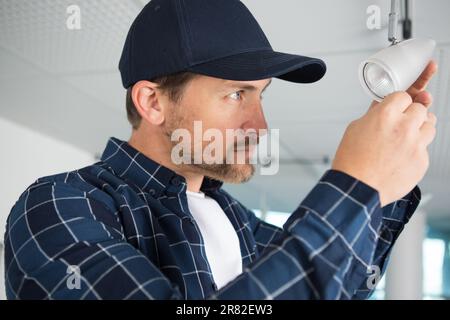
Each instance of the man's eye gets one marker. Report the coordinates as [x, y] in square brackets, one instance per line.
[236, 95]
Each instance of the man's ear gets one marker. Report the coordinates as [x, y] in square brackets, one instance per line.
[147, 102]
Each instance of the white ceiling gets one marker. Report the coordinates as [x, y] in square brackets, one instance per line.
[57, 81]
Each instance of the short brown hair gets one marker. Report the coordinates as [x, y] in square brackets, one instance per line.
[172, 85]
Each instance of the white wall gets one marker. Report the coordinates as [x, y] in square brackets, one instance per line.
[26, 156]
[404, 275]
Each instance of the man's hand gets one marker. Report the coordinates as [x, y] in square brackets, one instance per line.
[387, 147]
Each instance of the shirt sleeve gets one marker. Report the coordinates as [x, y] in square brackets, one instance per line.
[338, 235]
[61, 244]
[263, 232]
[394, 218]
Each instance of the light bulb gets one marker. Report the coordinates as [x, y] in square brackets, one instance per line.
[378, 80]
[395, 68]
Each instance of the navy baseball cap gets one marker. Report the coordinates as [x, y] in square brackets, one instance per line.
[217, 38]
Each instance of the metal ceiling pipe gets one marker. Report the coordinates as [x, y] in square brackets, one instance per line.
[393, 21]
[407, 22]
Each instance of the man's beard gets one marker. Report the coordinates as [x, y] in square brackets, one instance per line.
[230, 173]
[225, 172]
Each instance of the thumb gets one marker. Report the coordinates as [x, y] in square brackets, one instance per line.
[373, 104]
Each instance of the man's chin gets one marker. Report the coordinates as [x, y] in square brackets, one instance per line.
[228, 173]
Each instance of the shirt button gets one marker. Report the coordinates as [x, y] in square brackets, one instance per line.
[152, 192]
[402, 204]
[176, 181]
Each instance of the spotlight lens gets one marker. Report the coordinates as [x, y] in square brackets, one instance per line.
[377, 80]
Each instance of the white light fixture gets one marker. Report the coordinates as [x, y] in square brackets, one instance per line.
[397, 67]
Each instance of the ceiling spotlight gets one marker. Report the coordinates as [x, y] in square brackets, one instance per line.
[397, 67]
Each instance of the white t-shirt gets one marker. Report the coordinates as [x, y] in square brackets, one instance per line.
[220, 238]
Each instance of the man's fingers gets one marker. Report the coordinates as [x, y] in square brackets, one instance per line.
[399, 101]
[423, 80]
[424, 97]
[428, 133]
[428, 129]
[417, 113]
[416, 91]
[373, 104]
[432, 118]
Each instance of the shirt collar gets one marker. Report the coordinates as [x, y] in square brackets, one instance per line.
[130, 164]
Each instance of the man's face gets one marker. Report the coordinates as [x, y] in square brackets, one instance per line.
[231, 108]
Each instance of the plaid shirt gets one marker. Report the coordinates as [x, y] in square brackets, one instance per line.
[123, 227]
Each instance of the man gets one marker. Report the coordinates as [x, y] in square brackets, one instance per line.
[137, 225]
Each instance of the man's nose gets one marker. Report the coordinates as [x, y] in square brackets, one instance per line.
[257, 120]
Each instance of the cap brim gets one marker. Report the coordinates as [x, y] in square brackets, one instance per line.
[259, 65]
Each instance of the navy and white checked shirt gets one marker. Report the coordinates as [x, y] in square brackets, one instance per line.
[125, 223]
